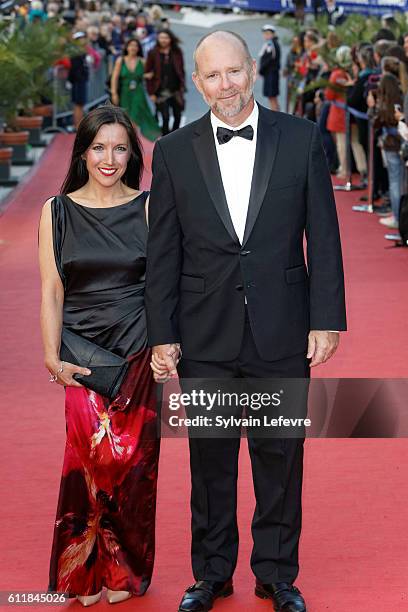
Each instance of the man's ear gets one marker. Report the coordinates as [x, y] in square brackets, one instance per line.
[197, 81]
[254, 70]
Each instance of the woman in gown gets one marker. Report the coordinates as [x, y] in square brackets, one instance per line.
[92, 246]
[127, 87]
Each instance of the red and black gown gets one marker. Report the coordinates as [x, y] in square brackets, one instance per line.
[105, 524]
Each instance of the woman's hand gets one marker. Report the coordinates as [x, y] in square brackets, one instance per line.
[62, 373]
[370, 100]
[164, 362]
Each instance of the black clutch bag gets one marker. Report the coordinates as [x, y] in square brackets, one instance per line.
[108, 370]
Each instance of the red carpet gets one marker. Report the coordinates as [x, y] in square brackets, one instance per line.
[354, 544]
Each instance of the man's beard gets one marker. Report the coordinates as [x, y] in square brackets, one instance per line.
[234, 110]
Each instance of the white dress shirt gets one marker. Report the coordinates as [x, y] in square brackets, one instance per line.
[236, 160]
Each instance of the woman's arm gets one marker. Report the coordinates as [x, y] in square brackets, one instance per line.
[115, 81]
[52, 301]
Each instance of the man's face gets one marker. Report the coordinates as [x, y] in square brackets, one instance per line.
[268, 35]
[224, 76]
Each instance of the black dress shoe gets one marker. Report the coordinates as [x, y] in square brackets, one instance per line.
[200, 597]
[285, 596]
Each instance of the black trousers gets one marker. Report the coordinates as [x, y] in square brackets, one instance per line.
[277, 469]
[164, 109]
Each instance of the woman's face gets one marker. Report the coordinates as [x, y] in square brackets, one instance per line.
[133, 48]
[107, 157]
[164, 40]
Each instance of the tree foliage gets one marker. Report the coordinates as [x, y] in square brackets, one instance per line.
[27, 55]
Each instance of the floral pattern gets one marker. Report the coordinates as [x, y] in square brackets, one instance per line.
[105, 525]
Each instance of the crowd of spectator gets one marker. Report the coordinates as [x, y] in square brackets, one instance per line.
[326, 77]
[145, 75]
[141, 56]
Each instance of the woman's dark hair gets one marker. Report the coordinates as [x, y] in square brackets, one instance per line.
[389, 93]
[366, 53]
[77, 174]
[398, 52]
[175, 42]
[383, 34]
[131, 40]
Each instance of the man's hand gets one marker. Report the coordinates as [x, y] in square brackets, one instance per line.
[322, 346]
[165, 358]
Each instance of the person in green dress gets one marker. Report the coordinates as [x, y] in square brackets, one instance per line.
[127, 89]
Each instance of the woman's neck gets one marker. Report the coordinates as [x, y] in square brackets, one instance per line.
[96, 193]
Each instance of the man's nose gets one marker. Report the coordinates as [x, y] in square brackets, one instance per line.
[225, 81]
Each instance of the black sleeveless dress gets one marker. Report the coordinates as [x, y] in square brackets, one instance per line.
[104, 530]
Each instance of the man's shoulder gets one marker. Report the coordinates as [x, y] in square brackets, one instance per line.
[183, 134]
[288, 123]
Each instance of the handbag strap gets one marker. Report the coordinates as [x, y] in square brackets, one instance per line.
[58, 233]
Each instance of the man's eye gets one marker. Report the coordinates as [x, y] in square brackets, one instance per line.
[211, 76]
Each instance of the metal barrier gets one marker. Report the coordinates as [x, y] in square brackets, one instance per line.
[62, 105]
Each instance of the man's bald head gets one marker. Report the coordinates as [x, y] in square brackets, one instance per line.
[225, 75]
[220, 37]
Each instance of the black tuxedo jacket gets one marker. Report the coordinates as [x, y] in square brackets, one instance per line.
[198, 273]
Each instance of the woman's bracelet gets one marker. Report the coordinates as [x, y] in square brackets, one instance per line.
[54, 377]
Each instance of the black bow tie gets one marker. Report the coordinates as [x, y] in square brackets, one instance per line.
[224, 134]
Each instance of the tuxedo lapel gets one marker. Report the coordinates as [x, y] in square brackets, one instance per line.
[205, 151]
[266, 149]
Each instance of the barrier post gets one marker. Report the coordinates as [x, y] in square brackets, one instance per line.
[54, 128]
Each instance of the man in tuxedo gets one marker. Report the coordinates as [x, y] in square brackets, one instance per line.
[233, 196]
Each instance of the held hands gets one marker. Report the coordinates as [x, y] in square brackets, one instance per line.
[165, 358]
[62, 373]
[322, 346]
